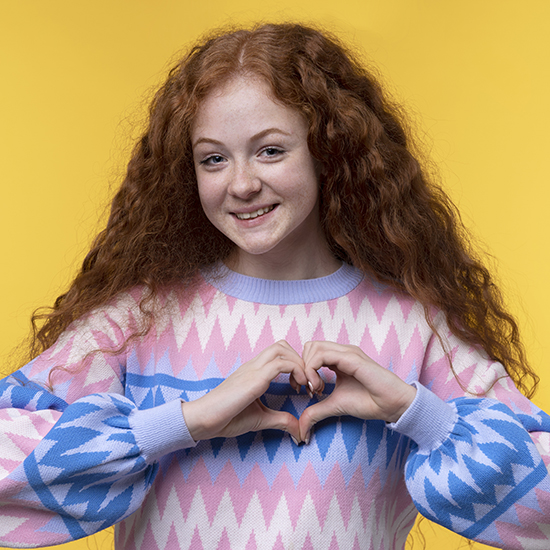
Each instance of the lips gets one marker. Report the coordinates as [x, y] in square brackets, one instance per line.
[255, 213]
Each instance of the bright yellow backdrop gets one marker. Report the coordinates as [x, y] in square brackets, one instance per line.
[75, 75]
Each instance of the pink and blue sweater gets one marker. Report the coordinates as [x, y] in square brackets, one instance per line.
[92, 434]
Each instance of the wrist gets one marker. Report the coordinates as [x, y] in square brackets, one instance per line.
[428, 421]
[194, 420]
[160, 430]
[407, 398]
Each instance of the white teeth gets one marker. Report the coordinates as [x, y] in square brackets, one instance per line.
[252, 215]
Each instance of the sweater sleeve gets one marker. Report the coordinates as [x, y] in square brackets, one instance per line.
[76, 455]
[478, 465]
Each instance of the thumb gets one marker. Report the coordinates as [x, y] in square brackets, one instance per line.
[313, 414]
[280, 420]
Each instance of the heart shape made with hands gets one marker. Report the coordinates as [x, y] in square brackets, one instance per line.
[363, 389]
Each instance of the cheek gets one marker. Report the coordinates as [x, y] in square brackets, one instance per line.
[208, 196]
[307, 194]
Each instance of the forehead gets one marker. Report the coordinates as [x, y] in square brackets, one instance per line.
[243, 102]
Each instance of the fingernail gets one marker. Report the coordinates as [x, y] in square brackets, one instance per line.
[310, 390]
[294, 439]
[306, 438]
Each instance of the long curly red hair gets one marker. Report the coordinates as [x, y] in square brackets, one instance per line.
[378, 209]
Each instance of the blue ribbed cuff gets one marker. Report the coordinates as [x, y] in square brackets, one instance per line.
[160, 430]
[428, 421]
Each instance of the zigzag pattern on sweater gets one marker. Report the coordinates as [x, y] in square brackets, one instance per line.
[200, 325]
[346, 489]
[253, 515]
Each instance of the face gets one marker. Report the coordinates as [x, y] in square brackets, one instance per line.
[256, 178]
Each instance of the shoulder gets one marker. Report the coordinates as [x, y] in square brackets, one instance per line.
[136, 307]
[124, 311]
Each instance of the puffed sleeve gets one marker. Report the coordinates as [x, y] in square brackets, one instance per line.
[477, 464]
[76, 455]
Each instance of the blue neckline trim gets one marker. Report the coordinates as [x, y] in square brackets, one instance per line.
[276, 292]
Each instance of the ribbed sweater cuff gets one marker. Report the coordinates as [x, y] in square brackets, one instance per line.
[160, 430]
[428, 421]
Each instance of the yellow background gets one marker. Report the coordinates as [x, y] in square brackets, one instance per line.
[75, 76]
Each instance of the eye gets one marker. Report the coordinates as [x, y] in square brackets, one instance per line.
[272, 152]
[212, 160]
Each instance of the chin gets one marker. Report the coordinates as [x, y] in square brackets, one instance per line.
[254, 249]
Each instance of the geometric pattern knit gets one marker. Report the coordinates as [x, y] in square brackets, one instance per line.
[92, 434]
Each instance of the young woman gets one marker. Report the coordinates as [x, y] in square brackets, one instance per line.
[281, 339]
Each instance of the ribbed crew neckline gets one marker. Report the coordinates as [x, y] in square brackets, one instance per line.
[277, 292]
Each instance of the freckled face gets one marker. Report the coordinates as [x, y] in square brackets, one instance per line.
[256, 177]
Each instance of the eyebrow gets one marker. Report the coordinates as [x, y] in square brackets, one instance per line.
[255, 137]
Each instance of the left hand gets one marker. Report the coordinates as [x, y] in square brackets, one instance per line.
[234, 407]
[363, 388]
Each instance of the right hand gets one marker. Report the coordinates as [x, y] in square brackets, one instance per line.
[363, 388]
[234, 407]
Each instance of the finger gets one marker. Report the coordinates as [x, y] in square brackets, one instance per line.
[306, 352]
[265, 367]
[287, 365]
[316, 387]
[292, 381]
[280, 352]
[314, 346]
[280, 348]
[286, 345]
[286, 349]
[315, 383]
[321, 354]
[347, 359]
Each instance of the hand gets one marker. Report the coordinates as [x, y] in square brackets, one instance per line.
[363, 388]
[233, 408]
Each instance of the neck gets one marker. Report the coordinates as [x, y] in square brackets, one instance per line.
[307, 263]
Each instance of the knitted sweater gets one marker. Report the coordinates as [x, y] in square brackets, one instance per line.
[92, 433]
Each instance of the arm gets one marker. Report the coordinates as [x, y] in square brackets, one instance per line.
[473, 465]
[476, 470]
[501, 444]
[72, 460]
[91, 469]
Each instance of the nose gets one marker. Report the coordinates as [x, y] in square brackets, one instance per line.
[244, 182]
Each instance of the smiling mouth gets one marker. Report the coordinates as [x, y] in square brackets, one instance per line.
[256, 213]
